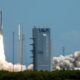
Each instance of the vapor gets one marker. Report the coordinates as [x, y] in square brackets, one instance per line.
[30, 67]
[4, 64]
[68, 62]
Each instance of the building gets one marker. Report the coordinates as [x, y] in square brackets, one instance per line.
[41, 49]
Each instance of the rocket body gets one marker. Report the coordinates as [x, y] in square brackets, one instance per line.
[1, 27]
[2, 55]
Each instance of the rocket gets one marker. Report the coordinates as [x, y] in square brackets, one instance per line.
[2, 55]
[1, 26]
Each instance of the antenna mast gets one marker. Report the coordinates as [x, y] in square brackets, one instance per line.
[23, 38]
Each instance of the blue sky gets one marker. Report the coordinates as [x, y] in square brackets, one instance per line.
[62, 16]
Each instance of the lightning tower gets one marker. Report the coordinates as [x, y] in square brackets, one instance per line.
[41, 49]
[19, 44]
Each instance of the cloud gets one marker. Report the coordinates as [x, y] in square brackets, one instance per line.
[69, 62]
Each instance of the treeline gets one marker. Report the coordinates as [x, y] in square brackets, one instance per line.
[41, 75]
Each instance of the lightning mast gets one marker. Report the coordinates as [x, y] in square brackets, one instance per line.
[22, 48]
[19, 45]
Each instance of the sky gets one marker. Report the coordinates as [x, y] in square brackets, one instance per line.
[61, 16]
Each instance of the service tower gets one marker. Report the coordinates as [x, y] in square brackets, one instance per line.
[41, 49]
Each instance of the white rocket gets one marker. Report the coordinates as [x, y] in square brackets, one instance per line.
[2, 55]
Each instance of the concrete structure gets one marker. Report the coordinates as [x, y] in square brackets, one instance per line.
[41, 49]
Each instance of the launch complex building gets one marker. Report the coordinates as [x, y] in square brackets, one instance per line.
[41, 49]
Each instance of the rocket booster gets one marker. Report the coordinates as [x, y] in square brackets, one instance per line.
[1, 26]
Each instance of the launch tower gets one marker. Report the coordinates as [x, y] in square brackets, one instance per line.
[41, 49]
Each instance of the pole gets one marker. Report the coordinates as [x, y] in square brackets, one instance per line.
[22, 48]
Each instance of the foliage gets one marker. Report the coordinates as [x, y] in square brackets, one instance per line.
[41, 75]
